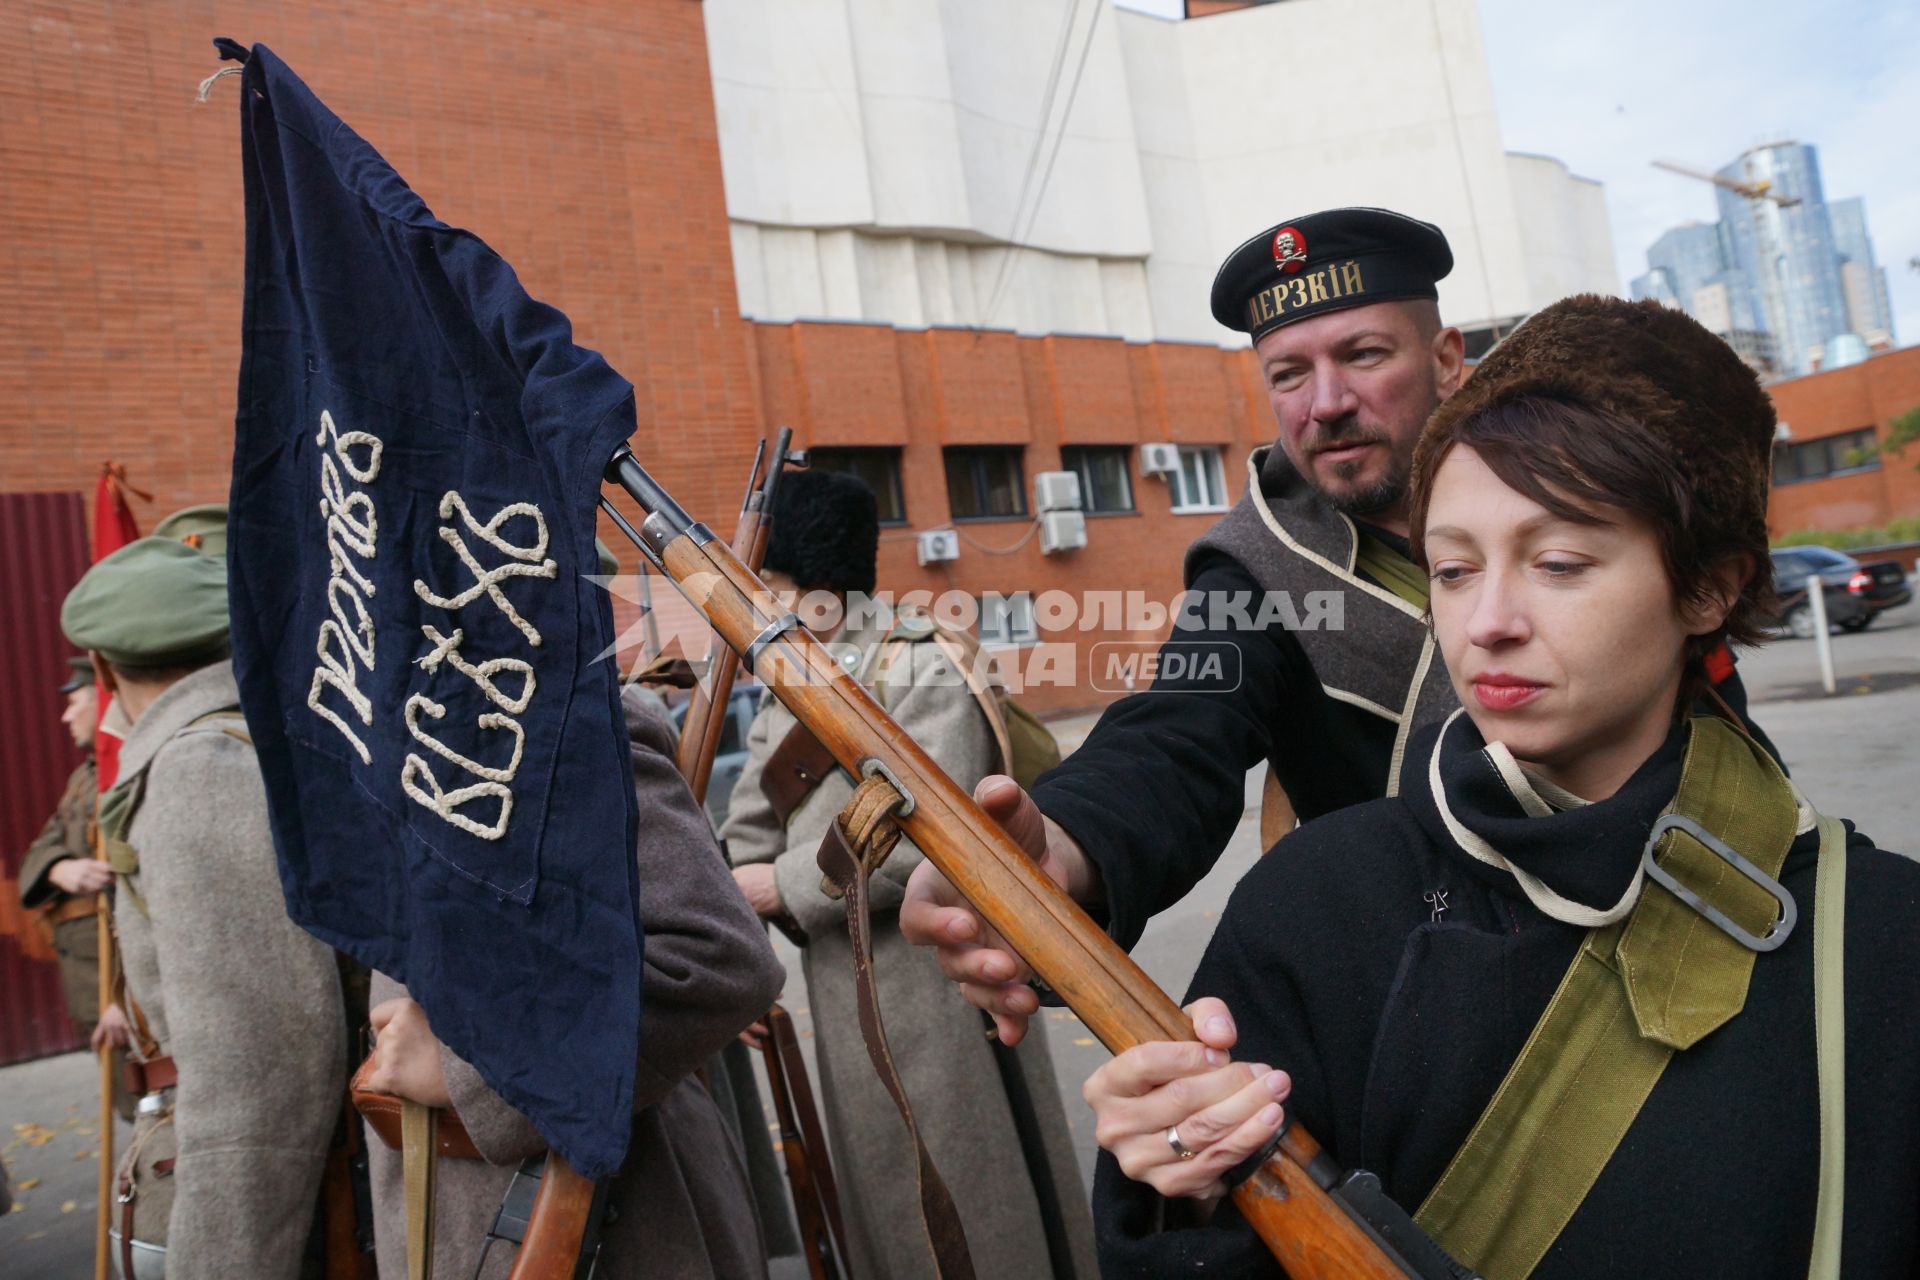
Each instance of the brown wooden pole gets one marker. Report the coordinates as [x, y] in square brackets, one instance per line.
[1314, 1237]
[102, 1256]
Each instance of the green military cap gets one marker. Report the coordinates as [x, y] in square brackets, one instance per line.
[608, 565]
[80, 677]
[204, 528]
[152, 603]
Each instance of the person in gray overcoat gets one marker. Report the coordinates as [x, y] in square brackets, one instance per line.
[244, 1005]
[824, 539]
[682, 1206]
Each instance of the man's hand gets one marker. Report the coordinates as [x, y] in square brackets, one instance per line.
[80, 875]
[933, 914]
[112, 1029]
[1221, 1111]
[762, 891]
[406, 1054]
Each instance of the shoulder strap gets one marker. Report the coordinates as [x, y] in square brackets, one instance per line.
[1830, 1036]
[1608, 1033]
[119, 804]
[963, 651]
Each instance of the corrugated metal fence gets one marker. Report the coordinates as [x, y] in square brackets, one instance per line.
[43, 552]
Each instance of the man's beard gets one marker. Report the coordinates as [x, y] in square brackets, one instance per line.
[1375, 497]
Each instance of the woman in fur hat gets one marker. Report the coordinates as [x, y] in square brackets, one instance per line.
[1578, 994]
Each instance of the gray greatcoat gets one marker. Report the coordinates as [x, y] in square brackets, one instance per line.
[682, 1202]
[937, 1039]
[245, 1002]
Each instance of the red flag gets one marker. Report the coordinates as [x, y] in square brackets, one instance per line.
[113, 523]
[113, 528]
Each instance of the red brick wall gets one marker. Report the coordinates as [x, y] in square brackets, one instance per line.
[840, 384]
[578, 140]
[1872, 394]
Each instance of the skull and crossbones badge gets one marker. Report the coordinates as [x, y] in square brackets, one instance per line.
[1289, 249]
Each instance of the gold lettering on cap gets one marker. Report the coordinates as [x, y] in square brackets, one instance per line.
[1350, 276]
[1299, 288]
[1317, 287]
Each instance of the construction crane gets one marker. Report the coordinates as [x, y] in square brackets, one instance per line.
[1757, 189]
[1758, 193]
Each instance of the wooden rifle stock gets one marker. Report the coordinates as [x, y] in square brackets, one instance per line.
[1287, 1200]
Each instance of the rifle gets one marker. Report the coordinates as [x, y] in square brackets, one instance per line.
[1321, 1222]
[707, 714]
[803, 1144]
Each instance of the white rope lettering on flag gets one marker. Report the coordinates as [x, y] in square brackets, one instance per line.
[352, 640]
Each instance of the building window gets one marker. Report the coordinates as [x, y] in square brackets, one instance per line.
[1200, 483]
[1007, 619]
[985, 482]
[880, 468]
[1827, 456]
[1106, 487]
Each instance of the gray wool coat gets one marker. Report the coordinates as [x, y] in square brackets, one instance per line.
[682, 1204]
[245, 1001]
[937, 1038]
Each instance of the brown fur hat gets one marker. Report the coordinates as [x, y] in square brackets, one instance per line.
[1687, 403]
[1650, 367]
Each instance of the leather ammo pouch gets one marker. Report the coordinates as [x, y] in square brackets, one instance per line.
[382, 1114]
[798, 765]
[144, 1198]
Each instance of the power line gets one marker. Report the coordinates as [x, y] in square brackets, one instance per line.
[1040, 195]
[1039, 138]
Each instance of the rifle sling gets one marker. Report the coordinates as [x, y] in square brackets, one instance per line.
[868, 820]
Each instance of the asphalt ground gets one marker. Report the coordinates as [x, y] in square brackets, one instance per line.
[1854, 754]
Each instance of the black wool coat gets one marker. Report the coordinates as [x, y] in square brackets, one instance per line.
[1398, 1023]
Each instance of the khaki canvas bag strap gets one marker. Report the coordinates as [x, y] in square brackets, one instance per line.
[1600, 1048]
[962, 654]
[1390, 569]
[122, 802]
[1830, 1036]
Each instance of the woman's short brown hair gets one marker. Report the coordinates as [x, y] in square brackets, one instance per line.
[1576, 462]
[1599, 403]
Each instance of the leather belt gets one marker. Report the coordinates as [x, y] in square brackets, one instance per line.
[77, 907]
[151, 1076]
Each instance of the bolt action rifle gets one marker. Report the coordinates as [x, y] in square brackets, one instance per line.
[803, 1146]
[1321, 1222]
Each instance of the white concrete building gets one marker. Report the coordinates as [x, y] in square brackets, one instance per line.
[881, 157]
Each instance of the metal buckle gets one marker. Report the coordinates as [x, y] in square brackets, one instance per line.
[1776, 933]
[870, 766]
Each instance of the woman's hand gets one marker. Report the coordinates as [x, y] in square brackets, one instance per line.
[1221, 1111]
[406, 1054]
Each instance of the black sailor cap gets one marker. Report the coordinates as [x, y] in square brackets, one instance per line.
[1326, 262]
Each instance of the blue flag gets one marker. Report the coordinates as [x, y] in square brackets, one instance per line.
[417, 459]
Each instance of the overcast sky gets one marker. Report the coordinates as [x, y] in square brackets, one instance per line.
[1610, 87]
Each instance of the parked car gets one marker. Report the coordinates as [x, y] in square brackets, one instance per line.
[1855, 593]
[731, 754]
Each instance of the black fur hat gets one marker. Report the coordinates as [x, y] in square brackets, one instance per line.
[826, 531]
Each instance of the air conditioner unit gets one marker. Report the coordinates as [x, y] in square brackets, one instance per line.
[1062, 531]
[939, 544]
[1056, 491]
[1782, 433]
[1159, 459]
